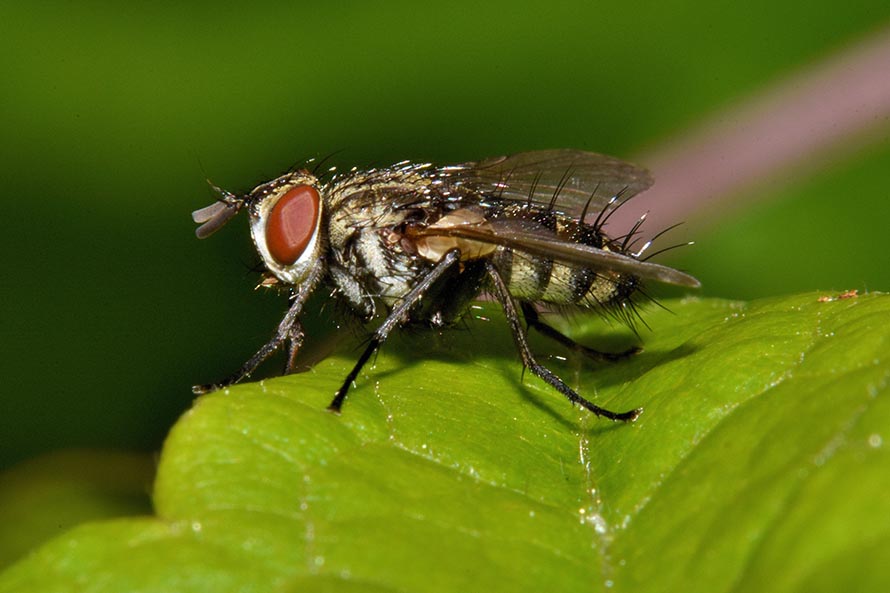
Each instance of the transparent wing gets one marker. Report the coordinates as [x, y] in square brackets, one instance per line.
[574, 181]
[525, 236]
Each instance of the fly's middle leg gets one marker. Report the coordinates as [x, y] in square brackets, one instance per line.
[395, 318]
[528, 359]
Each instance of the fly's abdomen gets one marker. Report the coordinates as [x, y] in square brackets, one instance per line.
[533, 278]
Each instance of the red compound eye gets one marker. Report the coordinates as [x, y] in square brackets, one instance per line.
[291, 224]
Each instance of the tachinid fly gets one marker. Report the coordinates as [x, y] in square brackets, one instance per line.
[416, 243]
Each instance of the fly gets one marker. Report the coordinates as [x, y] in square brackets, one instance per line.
[416, 244]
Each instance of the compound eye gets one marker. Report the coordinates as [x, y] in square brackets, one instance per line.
[291, 224]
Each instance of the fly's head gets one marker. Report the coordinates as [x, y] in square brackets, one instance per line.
[285, 223]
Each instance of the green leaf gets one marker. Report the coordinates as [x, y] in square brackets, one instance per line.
[759, 464]
[46, 496]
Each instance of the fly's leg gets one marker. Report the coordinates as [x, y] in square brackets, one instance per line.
[294, 342]
[396, 317]
[534, 321]
[340, 397]
[288, 329]
[285, 327]
[528, 359]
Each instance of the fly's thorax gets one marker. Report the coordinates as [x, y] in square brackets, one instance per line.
[286, 225]
[371, 200]
[371, 261]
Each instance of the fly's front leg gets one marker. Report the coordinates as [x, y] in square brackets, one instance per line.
[295, 337]
[534, 321]
[288, 329]
[396, 317]
[528, 359]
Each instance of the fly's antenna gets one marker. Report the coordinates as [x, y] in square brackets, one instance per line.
[211, 218]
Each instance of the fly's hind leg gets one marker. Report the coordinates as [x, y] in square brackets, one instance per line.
[528, 359]
[533, 319]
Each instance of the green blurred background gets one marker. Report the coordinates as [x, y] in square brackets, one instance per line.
[113, 115]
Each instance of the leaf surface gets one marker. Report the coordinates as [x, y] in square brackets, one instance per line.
[759, 463]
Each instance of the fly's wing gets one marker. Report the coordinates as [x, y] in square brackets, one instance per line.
[524, 236]
[574, 181]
